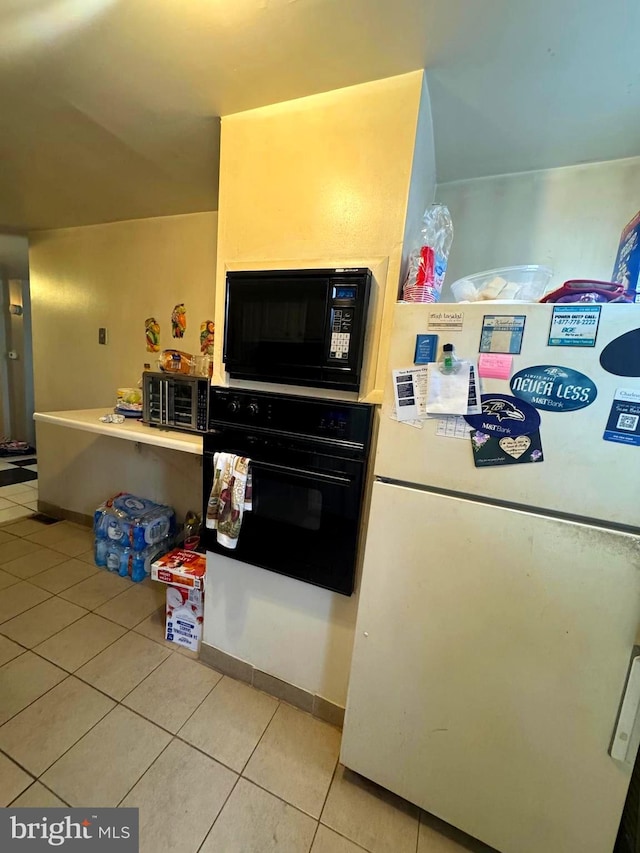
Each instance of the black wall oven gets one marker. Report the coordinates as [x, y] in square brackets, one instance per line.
[299, 327]
[309, 462]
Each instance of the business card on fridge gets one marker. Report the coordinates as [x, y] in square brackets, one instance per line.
[623, 425]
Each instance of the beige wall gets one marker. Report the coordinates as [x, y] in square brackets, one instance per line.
[423, 178]
[569, 219]
[78, 470]
[321, 181]
[114, 275]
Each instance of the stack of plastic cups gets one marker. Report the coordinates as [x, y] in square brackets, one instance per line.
[421, 286]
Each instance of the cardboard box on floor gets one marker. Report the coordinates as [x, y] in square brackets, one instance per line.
[180, 568]
[185, 613]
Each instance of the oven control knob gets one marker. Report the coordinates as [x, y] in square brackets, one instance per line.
[233, 406]
[253, 409]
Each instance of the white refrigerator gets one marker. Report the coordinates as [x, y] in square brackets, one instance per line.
[499, 602]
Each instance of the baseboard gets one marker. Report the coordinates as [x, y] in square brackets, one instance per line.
[66, 514]
[244, 671]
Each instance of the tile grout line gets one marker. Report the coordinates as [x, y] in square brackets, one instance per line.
[259, 741]
[66, 671]
[88, 683]
[17, 763]
[3, 567]
[326, 797]
[116, 703]
[49, 593]
[131, 710]
[68, 601]
[241, 775]
[215, 820]
[119, 701]
[162, 751]
[176, 736]
[222, 808]
[40, 782]
[203, 700]
[74, 671]
[15, 503]
[210, 757]
[171, 734]
[182, 739]
[72, 745]
[66, 674]
[55, 634]
[34, 779]
[140, 683]
[76, 741]
[55, 595]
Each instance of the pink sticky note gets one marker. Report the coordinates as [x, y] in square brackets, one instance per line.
[492, 365]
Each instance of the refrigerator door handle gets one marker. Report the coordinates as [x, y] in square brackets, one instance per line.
[626, 736]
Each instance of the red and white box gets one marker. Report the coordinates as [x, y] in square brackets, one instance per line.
[180, 568]
[185, 614]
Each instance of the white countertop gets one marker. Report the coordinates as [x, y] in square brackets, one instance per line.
[131, 430]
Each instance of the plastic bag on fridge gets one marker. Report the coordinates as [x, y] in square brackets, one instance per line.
[428, 261]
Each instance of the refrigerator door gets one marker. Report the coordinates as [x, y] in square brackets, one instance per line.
[492, 647]
[581, 474]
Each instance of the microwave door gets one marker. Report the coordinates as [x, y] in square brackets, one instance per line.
[276, 329]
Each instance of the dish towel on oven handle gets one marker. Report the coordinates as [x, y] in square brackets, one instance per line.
[230, 498]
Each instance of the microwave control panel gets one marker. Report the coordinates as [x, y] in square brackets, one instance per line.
[342, 314]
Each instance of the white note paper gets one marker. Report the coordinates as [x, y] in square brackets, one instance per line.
[453, 426]
[448, 393]
[409, 388]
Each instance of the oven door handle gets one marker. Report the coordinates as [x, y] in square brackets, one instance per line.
[301, 472]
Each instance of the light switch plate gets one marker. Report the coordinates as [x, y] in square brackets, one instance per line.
[102, 335]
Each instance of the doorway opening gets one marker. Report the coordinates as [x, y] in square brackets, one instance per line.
[17, 432]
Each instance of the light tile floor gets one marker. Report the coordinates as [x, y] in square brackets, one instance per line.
[96, 709]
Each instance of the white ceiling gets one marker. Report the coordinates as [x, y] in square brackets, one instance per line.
[109, 108]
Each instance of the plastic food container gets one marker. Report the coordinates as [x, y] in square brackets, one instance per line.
[508, 284]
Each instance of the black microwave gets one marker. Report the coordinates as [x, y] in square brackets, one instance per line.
[297, 327]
